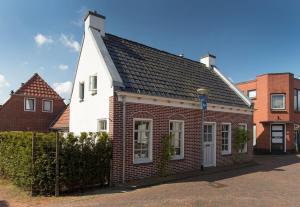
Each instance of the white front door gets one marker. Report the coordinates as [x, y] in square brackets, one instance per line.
[209, 144]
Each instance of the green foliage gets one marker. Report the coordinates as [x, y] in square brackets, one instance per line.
[83, 160]
[166, 155]
[240, 139]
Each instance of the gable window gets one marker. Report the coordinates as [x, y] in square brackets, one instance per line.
[278, 101]
[29, 104]
[176, 130]
[252, 94]
[142, 147]
[81, 91]
[226, 138]
[93, 84]
[244, 126]
[47, 106]
[297, 100]
[102, 125]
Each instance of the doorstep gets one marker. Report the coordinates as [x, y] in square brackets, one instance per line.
[147, 182]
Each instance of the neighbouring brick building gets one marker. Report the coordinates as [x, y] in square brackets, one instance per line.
[139, 94]
[276, 99]
[33, 107]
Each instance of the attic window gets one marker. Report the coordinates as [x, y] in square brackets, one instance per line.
[93, 84]
[81, 91]
[47, 106]
[29, 104]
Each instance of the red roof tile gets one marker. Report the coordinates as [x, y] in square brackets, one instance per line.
[62, 121]
[36, 86]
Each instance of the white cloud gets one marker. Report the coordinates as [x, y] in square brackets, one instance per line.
[69, 42]
[63, 67]
[41, 39]
[3, 82]
[64, 89]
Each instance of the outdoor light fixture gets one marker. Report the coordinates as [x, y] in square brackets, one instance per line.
[202, 92]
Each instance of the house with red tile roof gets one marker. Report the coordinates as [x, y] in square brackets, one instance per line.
[62, 122]
[33, 107]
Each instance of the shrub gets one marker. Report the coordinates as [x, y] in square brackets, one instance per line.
[166, 155]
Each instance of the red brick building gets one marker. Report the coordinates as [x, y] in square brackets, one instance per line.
[276, 99]
[139, 94]
[33, 107]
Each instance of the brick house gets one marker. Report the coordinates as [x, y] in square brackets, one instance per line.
[276, 118]
[33, 107]
[139, 94]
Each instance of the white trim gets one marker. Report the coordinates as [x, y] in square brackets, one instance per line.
[228, 152]
[163, 101]
[284, 99]
[232, 86]
[181, 156]
[215, 142]
[51, 111]
[102, 51]
[149, 159]
[246, 128]
[25, 104]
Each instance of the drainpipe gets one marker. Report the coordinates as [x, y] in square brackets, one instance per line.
[124, 138]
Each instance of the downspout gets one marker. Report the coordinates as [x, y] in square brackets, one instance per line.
[124, 138]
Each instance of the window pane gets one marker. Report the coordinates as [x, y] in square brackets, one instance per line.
[252, 94]
[29, 104]
[47, 106]
[94, 82]
[176, 131]
[277, 101]
[141, 139]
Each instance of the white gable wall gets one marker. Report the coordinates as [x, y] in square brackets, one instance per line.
[84, 115]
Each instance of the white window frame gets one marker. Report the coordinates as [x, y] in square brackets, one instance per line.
[284, 99]
[98, 125]
[51, 105]
[34, 104]
[248, 93]
[143, 160]
[254, 134]
[93, 90]
[181, 156]
[245, 150]
[227, 152]
[81, 83]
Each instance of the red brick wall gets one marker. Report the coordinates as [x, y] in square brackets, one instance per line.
[161, 116]
[14, 118]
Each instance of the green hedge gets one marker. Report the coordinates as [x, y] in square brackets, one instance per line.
[83, 160]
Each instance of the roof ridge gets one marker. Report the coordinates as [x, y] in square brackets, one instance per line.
[153, 48]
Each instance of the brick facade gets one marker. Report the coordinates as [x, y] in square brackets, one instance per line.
[266, 85]
[14, 118]
[161, 116]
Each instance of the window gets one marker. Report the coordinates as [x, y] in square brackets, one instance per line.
[254, 134]
[102, 125]
[93, 84]
[244, 126]
[47, 106]
[278, 101]
[81, 91]
[252, 94]
[297, 100]
[176, 130]
[142, 148]
[226, 138]
[29, 104]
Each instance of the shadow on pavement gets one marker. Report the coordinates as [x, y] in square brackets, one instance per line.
[4, 203]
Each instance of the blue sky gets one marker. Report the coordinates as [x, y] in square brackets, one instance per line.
[248, 37]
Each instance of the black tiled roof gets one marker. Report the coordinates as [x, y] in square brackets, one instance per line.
[150, 71]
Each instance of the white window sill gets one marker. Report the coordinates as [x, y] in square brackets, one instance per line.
[142, 161]
[177, 157]
[225, 153]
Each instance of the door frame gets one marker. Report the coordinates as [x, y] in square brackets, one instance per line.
[284, 133]
[214, 124]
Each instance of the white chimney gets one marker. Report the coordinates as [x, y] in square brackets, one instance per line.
[209, 60]
[94, 20]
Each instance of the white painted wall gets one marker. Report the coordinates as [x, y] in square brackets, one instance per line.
[84, 115]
